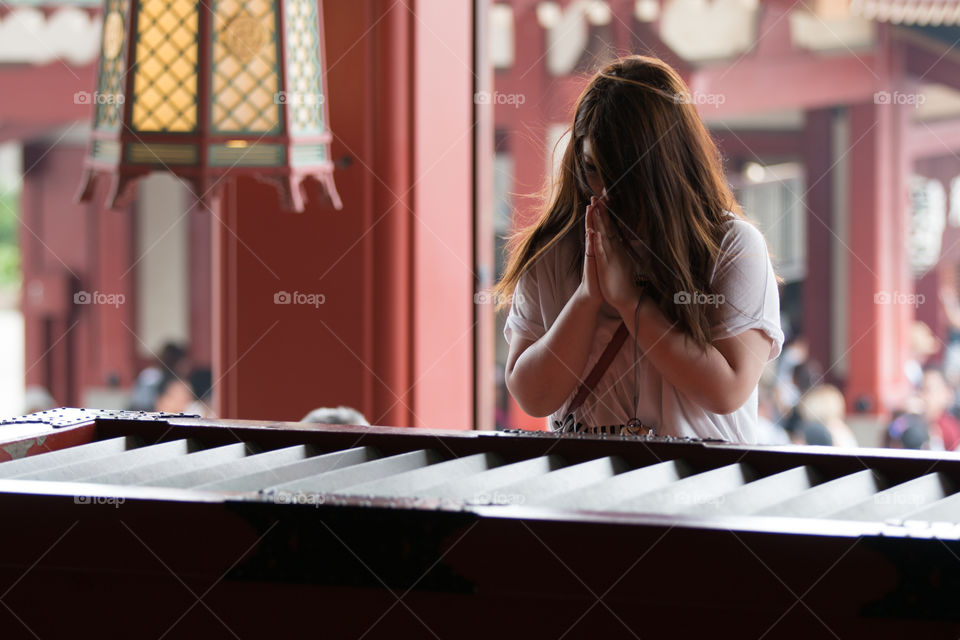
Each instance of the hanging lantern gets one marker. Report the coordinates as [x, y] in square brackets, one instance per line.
[210, 89]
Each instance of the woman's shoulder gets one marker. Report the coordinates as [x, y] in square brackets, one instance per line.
[742, 250]
[740, 233]
[554, 264]
[548, 282]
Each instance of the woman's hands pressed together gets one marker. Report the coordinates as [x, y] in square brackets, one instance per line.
[609, 273]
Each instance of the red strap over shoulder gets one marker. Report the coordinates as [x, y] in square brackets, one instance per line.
[600, 368]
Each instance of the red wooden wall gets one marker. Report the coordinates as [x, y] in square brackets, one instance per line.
[394, 335]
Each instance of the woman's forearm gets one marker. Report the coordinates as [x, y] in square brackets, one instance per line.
[550, 368]
[703, 375]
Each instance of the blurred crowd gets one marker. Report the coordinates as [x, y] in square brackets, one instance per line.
[173, 384]
[796, 406]
[795, 403]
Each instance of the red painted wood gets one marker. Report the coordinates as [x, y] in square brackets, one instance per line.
[393, 256]
[632, 36]
[766, 146]
[803, 81]
[773, 30]
[869, 213]
[86, 249]
[899, 182]
[819, 282]
[113, 352]
[442, 224]
[44, 439]
[928, 62]
[389, 172]
[525, 133]
[199, 239]
[484, 253]
[44, 94]
[14, 131]
[935, 139]
[877, 264]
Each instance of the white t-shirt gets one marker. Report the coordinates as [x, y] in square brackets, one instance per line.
[744, 276]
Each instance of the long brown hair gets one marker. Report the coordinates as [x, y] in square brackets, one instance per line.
[664, 182]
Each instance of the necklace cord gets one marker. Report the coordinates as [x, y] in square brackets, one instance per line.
[636, 356]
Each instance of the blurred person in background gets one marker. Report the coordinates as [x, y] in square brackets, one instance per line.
[923, 344]
[336, 415]
[769, 430]
[36, 399]
[170, 363]
[951, 353]
[938, 399]
[174, 396]
[908, 430]
[824, 404]
[812, 432]
[802, 378]
[201, 384]
[795, 353]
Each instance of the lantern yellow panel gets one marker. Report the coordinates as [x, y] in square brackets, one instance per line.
[245, 74]
[165, 80]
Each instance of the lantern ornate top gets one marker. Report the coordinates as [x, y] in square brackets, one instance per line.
[212, 90]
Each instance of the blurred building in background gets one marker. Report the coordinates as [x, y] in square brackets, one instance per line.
[105, 291]
[839, 122]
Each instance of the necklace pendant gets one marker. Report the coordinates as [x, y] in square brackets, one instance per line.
[634, 426]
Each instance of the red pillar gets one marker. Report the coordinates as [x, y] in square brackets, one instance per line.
[442, 222]
[70, 248]
[389, 175]
[818, 285]
[483, 241]
[526, 134]
[880, 285]
[200, 283]
[390, 329]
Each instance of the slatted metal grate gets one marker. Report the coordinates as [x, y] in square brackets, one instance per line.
[472, 531]
[601, 484]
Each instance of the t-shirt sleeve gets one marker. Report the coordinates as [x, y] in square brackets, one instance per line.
[746, 287]
[525, 318]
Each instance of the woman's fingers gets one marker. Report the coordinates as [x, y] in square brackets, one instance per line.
[604, 231]
[602, 218]
[602, 247]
